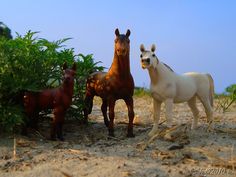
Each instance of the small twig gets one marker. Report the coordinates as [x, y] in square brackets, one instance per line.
[38, 133]
[114, 138]
[65, 174]
[162, 122]
[232, 156]
[14, 147]
[75, 150]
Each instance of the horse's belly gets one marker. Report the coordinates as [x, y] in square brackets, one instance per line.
[185, 91]
[45, 100]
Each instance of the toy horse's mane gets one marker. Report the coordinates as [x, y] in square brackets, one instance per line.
[169, 67]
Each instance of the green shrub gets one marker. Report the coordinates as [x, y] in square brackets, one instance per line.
[226, 99]
[31, 63]
[141, 91]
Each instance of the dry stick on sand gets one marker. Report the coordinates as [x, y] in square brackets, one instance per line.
[39, 134]
[159, 134]
[232, 156]
[14, 147]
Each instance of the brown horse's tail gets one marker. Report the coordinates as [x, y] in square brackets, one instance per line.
[211, 90]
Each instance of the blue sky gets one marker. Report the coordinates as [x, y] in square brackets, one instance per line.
[190, 35]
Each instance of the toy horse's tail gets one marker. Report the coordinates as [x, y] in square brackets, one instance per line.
[211, 90]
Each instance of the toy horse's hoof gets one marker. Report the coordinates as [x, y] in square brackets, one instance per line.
[52, 138]
[130, 135]
[107, 123]
[85, 121]
[111, 133]
[61, 138]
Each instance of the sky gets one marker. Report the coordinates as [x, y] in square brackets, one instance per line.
[190, 35]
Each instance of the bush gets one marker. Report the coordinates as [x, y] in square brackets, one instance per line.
[226, 99]
[141, 91]
[31, 63]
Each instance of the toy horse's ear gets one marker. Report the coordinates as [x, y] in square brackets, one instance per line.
[64, 66]
[142, 48]
[128, 33]
[74, 66]
[117, 32]
[153, 48]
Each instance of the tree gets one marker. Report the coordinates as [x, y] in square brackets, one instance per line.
[5, 31]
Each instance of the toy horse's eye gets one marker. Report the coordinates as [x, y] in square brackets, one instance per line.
[141, 56]
[153, 55]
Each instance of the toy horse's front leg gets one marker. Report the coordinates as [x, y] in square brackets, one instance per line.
[169, 107]
[130, 105]
[111, 117]
[104, 112]
[88, 106]
[57, 123]
[156, 117]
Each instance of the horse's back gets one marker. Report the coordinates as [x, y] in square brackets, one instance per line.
[105, 85]
[201, 80]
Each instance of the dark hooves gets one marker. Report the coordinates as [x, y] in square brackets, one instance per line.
[107, 124]
[61, 139]
[85, 121]
[55, 139]
[130, 135]
[111, 134]
[52, 138]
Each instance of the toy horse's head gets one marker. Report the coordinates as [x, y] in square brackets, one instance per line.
[122, 43]
[148, 58]
[69, 74]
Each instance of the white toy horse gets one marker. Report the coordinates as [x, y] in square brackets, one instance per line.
[168, 87]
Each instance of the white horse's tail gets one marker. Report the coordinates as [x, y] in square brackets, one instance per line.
[211, 90]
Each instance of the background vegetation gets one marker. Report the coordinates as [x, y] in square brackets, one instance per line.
[31, 63]
[226, 99]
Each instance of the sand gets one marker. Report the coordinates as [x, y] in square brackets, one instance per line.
[88, 151]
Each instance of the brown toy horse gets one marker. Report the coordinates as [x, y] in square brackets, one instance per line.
[59, 99]
[116, 84]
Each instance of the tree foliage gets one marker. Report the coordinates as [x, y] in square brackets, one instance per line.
[5, 31]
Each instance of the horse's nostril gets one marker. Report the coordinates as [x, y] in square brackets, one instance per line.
[142, 60]
[148, 60]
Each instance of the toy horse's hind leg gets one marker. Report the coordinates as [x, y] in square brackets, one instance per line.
[59, 131]
[111, 117]
[104, 112]
[130, 106]
[32, 122]
[88, 106]
[208, 109]
[193, 107]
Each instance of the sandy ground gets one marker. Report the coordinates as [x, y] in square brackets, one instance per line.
[87, 150]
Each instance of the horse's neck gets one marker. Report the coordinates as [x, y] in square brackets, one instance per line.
[68, 89]
[158, 73]
[120, 66]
